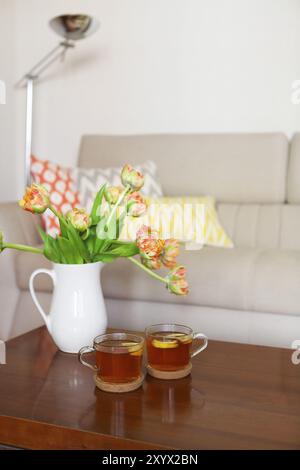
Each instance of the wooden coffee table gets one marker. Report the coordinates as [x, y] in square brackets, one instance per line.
[238, 397]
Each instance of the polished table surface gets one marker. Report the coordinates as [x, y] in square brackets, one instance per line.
[238, 397]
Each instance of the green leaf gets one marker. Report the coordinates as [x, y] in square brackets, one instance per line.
[77, 243]
[85, 235]
[68, 254]
[98, 245]
[90, 241]
[120, 223]
[95, 244]
[51, 250]
[69, 249]
[106, 246]
[125, 250]
[97, 203]
[63, 229]
[105, 258]
[102, 237]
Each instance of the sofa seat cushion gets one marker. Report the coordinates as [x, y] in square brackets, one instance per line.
[239, 278]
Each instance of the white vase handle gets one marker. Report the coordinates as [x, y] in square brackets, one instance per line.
[50, 273]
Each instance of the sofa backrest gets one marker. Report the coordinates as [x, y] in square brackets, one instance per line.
[235, 168]
[293, 176]
[249, 175]
[264, 226]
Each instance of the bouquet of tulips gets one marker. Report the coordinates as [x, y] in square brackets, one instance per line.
[89, 238]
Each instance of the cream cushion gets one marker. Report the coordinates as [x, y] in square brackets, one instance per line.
[193, 220]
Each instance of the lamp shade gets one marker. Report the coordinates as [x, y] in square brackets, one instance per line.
[74, 27]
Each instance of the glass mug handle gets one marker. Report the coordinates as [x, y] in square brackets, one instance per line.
[85, 350]
[201, 348]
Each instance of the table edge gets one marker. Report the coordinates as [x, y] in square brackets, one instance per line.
[38, 435]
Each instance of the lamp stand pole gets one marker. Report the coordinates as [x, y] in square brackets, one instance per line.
[29, 78]
[28, 132]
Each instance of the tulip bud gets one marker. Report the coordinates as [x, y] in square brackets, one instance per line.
[79, 218]
[177, 273]
[135, 204]
[131, 177]
[112, 193]
[36, 199]
[170, 252]
[177, 284]
[179, 287]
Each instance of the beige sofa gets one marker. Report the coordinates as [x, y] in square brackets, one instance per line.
[248, 294]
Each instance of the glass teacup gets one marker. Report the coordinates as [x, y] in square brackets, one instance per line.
[118, 357]
[169, 346]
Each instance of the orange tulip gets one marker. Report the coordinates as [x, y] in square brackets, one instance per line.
[36, 199]
[148, 243]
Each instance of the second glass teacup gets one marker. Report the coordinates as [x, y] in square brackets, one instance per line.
[169, 349]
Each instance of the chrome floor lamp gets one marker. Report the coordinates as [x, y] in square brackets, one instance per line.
[71, 28]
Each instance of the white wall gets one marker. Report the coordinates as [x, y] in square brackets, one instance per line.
[154, 66]
[8, 180]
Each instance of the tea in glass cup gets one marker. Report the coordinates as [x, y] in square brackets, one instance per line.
[169, 347]
[118, 357]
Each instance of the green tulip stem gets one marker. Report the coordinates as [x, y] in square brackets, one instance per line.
[58, 215]
[114, 209]
[27, 248]
[151, 273]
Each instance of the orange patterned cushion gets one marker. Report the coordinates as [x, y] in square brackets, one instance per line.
[61, 186]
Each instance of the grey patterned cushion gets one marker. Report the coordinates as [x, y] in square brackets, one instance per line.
[89, 181]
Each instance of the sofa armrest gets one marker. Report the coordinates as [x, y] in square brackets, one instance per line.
[17, 227]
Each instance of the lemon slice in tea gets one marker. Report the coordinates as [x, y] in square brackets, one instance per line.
[182, 337]
[138, 352]
[165, 344]
[132, 348]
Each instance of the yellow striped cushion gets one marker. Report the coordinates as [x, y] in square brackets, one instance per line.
[192, 220]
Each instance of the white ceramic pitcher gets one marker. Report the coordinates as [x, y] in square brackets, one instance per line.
[77, 314]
